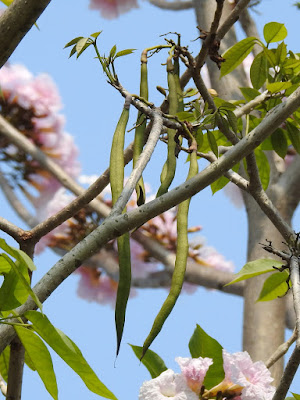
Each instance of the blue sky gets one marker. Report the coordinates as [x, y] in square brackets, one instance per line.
[92, 108]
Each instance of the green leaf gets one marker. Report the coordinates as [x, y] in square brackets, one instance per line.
[249, 93]
[223, 104]
[73, 51]
[185, 116]
[232, 119]
[213, 143]
[276, 87]
[294, 135]
[297, 396]
[274, 32]
[40, 356]
[73, 41]
[112, 51]
[270, 56]
[279, 142]
[236, 54]
[259, 70]
[190, 92]
[19, 255]
[199, 139]
[69, 352]
[4, 265]
[274, 286]
[222, 181]
[28, 361]
[96, 34]
[255, 268]
[263, 167]
[203, 345]
[81, 45]
[24, 281]
[281, 53]
[124, 52]
[4, 363]
[154, 364]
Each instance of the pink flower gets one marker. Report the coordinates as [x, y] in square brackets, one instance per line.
[194, 371]
[96, 287]
[253, 379]
[167, 386]
[208, 256]
[111, 9]
[141, 265]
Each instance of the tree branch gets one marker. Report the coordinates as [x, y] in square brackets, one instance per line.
[295, 279]
[282, 350]
[15, 371]
[15, 22]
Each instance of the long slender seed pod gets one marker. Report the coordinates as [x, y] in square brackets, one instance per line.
[168, 176]
[117, 182]
[181, 259]
[139, 138]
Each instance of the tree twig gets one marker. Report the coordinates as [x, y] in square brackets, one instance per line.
[282, 350]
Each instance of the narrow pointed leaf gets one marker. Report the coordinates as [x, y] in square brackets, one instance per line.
[259, 71]
[276, 87]
[279, 142]
[255, 268]
[151, 360]
[294, 135]
[297, 396]
[236, 54]
[213, 143]
[263, 168]
[69, 352]
[203, 345]
[40, 356]
[274, 286]
[124, 52]
[274, 32]
[73, 41]
[96, 34]
[23, 277]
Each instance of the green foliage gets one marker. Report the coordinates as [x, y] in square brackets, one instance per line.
[294, 134]
[152, 361]
[274, 286]
[274, 32]
[255, 268]
[203, 345]
[296, 396]
[16, 285]
[68, 351]
[40, 357]
[263, 167]
[236, 54]
[279, 142]
[259, 71]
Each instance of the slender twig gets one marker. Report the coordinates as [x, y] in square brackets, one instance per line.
[11, 229]
[239, 112]
[288, 375]
[282, 350]
[172, 5]
[295, 279]
[232, 18]
[141, 163]
[209, 40]
[15, 370]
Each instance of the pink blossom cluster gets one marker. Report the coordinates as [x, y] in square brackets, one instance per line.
[244, 380]
[32, 104]
[111, 9]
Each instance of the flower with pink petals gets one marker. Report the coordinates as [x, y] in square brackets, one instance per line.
[111, 9]
[167, 386]
[194, 371]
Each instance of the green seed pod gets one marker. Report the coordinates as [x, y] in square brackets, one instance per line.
[117, 182]
[181, 259]
[173, 107]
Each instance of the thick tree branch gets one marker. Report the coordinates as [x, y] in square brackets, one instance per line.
[15, 371]
[295, 279]
[15, 22]
[288, 375]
